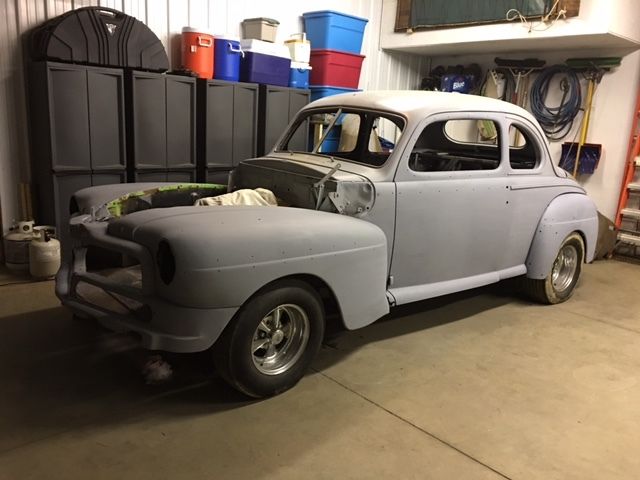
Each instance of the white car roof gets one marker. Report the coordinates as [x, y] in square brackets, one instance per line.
[417, 104]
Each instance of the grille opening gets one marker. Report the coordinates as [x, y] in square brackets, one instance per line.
[99, 259]
[112, 302]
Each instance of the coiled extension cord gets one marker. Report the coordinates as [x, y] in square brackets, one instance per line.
[556, 121]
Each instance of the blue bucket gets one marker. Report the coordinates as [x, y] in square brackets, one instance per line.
[227, 59]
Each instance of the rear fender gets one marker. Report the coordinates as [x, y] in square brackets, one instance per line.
[568, 213]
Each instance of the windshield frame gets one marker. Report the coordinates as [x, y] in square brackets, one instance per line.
[305, 113]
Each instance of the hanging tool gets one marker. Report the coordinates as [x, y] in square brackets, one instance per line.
[593, 69]
[520, 71]
[556, 121]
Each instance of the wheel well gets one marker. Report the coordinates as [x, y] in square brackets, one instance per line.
[333, 314]
[584, 242]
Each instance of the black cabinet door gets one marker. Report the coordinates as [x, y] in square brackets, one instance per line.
[181, 119]
[278, 106]
[142, 176]
[219, 136]
[297, 100]
[245, 114]
[276, 116]
[107, 178]
[186, 176]
[149, 121]
[218, 176]
[106, 118]
[68, 117]
[64, 186]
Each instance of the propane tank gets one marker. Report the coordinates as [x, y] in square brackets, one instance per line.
[16, 246]
[44, 253]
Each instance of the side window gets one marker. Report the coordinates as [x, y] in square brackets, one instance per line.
[524, 153]
[452, 145]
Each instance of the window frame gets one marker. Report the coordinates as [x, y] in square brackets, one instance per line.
[290, 131]
[539, 145]
[405, 173]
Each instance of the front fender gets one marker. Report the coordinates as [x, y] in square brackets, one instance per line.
[223, 255]
[568, 213]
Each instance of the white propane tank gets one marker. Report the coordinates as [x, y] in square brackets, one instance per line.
[16, 246]
[44, 253]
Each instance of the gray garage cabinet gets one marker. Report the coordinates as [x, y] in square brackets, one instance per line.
[227, 127]
[161, 120]
[77, 133]
[277, 107]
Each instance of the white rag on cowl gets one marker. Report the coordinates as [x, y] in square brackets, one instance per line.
[259, 196]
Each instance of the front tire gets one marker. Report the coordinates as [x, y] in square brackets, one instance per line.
[272, 340]
[559, 285]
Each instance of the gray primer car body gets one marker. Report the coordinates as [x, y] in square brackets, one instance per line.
[389, 235]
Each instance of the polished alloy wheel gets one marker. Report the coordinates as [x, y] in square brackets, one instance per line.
[280, 339]
[564, 268]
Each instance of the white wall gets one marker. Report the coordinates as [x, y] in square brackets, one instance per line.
[166, 18]
[611, 117]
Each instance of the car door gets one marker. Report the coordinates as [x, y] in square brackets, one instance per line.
[452, 215]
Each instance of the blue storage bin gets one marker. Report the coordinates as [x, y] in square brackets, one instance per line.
[332, 142]
[226, 58]
[299, 75]
[265, 69]
[321, 91]
[331, 30]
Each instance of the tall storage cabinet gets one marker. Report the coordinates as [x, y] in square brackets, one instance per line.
[77, 133]
[227, 127]
[277, 107]
[161, 119]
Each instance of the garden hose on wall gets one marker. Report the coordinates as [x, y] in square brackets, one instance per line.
[556, 121]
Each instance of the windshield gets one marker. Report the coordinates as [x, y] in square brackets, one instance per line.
[355, 135]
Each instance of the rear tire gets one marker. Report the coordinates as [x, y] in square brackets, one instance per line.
[272, 340]
[559, 285]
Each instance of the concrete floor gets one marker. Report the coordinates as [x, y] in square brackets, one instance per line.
[481, 385]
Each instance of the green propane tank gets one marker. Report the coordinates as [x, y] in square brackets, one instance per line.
[16, 246]
[44, 253]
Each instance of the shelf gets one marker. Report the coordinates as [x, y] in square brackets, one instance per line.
[600, 25]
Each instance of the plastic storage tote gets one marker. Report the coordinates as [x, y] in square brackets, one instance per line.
[260, 28]
[197, 52]
[331, 30]
[299, 75]
[321, 91]
[299, 47]
[334, 68]
[266, 63]
[227, 59]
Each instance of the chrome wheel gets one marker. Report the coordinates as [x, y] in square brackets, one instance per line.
[564, 268]
[280, 339]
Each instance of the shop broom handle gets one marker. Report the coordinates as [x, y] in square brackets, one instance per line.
[585, 127]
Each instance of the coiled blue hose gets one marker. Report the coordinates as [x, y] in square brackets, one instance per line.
[556, 121]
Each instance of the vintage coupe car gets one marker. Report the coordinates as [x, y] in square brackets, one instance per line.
[384, 198]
